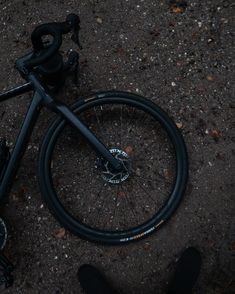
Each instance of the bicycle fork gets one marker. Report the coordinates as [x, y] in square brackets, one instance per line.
[70, 117]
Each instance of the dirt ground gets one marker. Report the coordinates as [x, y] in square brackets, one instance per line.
[181, 58]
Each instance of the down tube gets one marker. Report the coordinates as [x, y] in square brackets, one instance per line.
[20, 146]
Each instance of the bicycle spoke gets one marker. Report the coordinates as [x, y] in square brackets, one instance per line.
[129, 203]
[143, 178]
[159, 191]
[146, 192]
[115, 206]
[98, 121]
[149, 179]
[101, 206]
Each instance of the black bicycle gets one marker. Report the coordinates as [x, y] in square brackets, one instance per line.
[113, 166]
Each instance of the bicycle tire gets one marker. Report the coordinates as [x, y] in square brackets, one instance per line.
[124, 236]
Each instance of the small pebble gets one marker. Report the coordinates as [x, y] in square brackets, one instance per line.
[209, 78]
[99, 20]
[179, 125]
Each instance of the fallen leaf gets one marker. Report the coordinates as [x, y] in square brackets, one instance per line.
[209, 78]
[60, 233]
[215, 135]
[179, 125]
[233, 246]
[167, 174]
[129, 150]
[178, 6]
[176, 9]
[20, 195]
[121, 194]
[220, 156]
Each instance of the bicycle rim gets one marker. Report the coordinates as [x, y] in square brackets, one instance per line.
[97, 205]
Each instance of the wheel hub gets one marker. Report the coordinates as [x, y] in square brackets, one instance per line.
[109, 174]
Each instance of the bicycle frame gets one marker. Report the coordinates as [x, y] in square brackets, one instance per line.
[41, 98]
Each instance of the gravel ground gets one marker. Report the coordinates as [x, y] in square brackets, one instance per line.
[181, 58]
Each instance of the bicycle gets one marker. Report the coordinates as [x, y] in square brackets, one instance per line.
[132, 159]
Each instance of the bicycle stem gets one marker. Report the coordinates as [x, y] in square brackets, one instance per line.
[70, 117]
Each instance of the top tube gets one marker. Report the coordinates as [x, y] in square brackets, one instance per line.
[16, 91]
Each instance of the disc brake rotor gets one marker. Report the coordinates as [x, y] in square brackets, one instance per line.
[109, 174]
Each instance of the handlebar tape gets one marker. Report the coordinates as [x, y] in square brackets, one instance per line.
[56, 29]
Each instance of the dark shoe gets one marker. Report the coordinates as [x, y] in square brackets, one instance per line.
[187, 271]
[93, 282]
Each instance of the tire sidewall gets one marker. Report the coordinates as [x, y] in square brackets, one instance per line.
[63, 216]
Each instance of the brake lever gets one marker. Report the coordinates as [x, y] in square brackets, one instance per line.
[74, 22]
[75, 38]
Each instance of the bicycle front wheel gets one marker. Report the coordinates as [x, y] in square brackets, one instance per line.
[87, 196]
